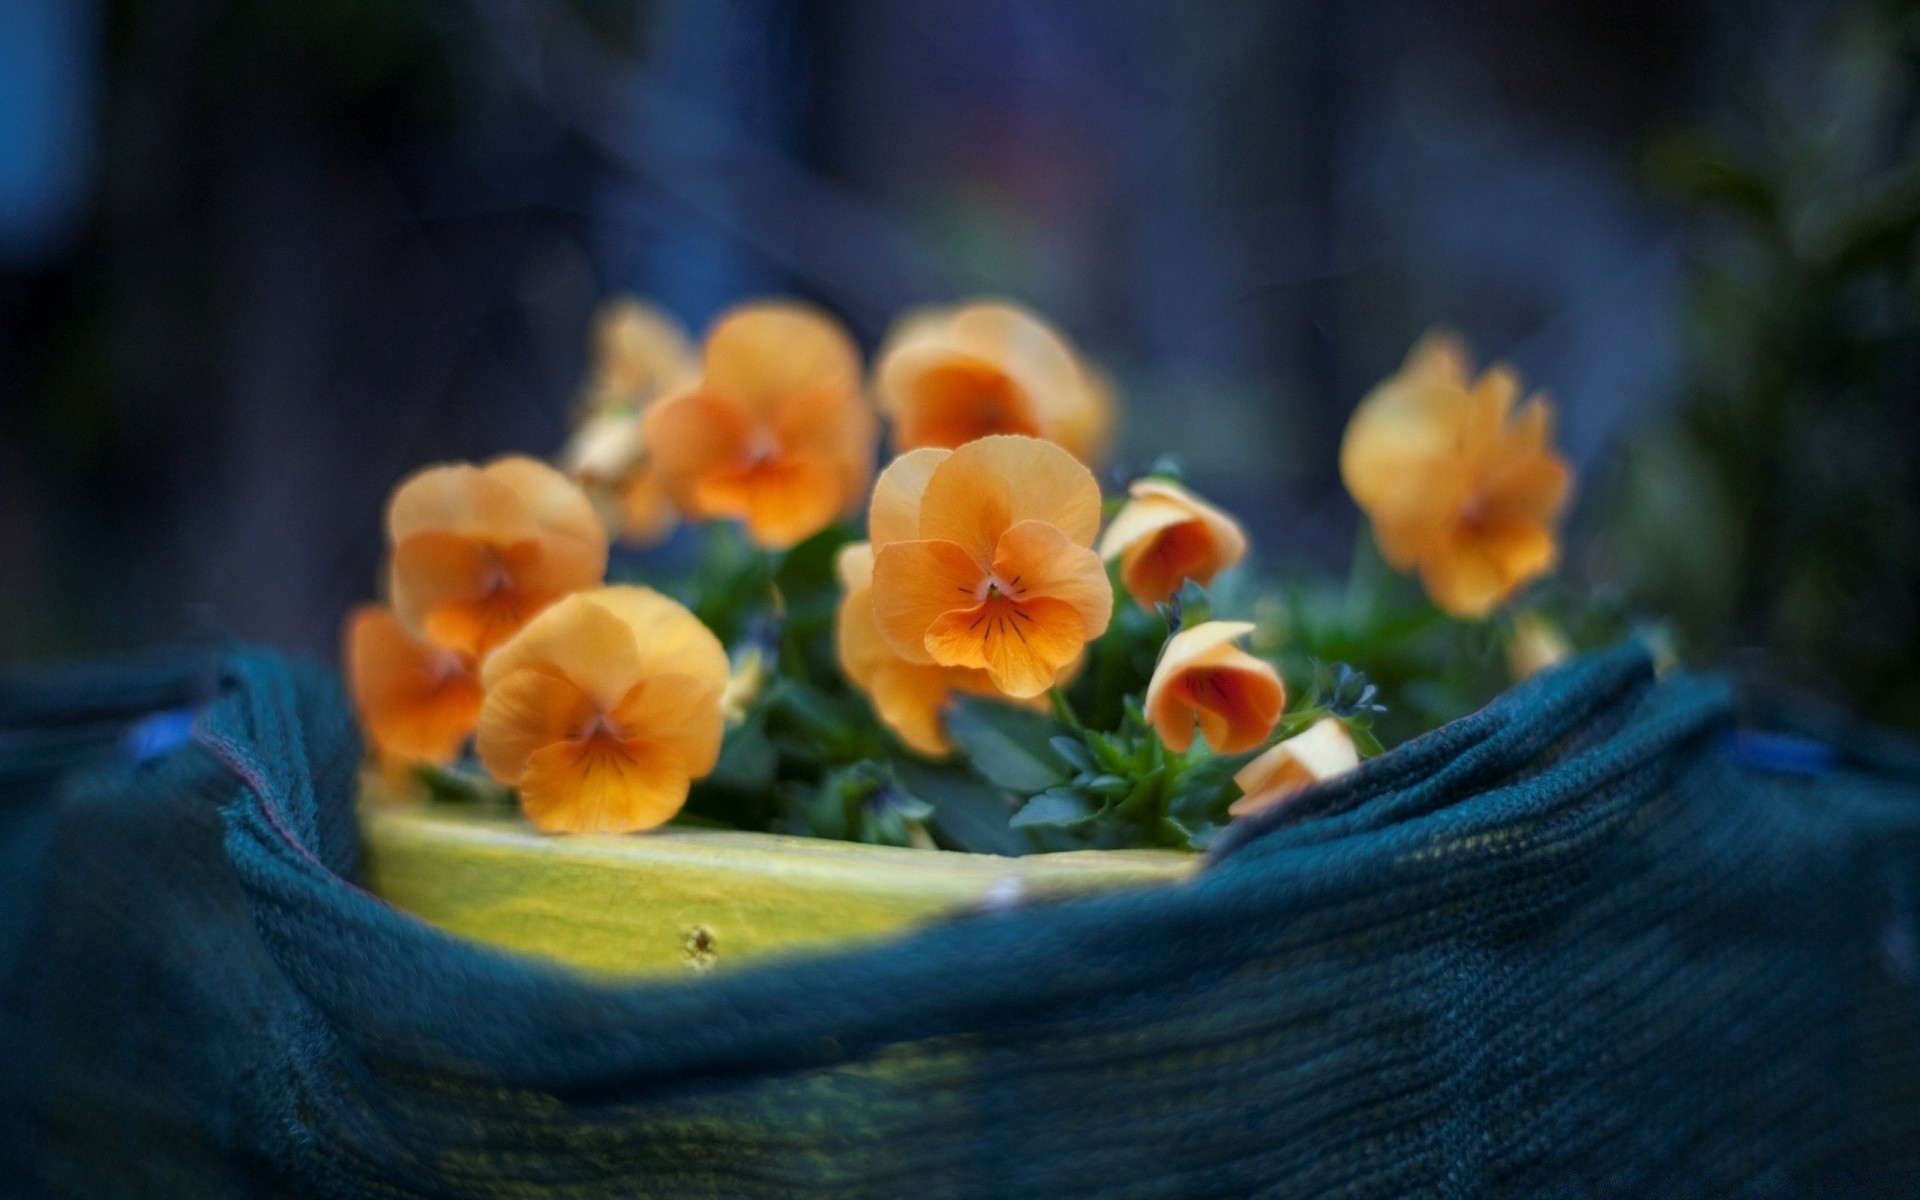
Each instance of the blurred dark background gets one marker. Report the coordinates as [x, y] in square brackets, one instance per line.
[259, 258]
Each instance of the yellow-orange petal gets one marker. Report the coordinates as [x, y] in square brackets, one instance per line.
[950, 376]
[1035, 559]
[639, 352]
[675, 711]
[599, 785]
[417, 702]
[763, 355]
[1166, 535]
[783, 445]
[984, 488]
[1203, 678]
[525, 711]
[1321, 751]
[910, 700]
[894, 514]
[607, 639]
[781, 500]
[477, 549]
[1476, 567]
[861, 649]
[914, 585]
[646, 514]
[1021, 646]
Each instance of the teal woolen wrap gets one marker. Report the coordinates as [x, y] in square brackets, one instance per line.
[1573, 944]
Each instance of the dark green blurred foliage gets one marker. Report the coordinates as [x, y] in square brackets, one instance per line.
[1778, 507]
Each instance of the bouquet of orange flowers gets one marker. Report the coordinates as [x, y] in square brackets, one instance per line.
[1008, 661]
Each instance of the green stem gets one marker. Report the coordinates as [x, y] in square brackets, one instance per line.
[1064, 710]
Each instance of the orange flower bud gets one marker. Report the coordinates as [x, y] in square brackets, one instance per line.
[1165, 536]
[1537, 643]
[1204, 679]
[479, 550]
[603, 710]
[949, 376]
[1323, 750]
[417, 702]
[775, 432]
[1459, 484]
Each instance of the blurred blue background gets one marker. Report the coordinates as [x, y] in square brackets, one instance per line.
[259, 258]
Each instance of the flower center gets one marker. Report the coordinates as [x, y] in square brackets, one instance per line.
[994, 588]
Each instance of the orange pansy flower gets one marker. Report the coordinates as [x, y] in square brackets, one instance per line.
[908, 697]
[949, 376]
[775, 433]
[417, 702]
[982, 559]
[478, 550]
[1321, 751]
[1204, 679]
[603, 710]
[1459, 483]
[1165, 536]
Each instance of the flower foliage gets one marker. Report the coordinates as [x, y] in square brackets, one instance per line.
[973, 673]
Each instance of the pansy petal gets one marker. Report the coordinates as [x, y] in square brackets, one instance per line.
[676, 711]
[1139, 519]
[430, 568]
[914, 585]
[894, 515]
[1022, 647]
[1323, 751]
[1035, 559]
[691, 433]
[986, 487]
[416, 701]
[909, 699]
[761, 355]
[600, 786]
[782, 501]
[518, 498]
[525, 711]
[579, 639]
[667, 639]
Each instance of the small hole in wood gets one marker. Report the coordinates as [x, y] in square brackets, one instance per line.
[700, 946]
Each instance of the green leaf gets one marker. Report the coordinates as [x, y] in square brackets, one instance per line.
[1110, 786]
[1074, 751]
[1008, 746]
[967, 814]
[1053, 808]
[747, 759]
[452, 785]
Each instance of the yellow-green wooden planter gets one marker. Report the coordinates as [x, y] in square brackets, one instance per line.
[678, 900]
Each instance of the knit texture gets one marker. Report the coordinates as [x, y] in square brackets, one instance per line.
[1575, 944]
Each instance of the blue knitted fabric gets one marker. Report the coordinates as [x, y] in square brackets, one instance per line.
[1583, 942]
